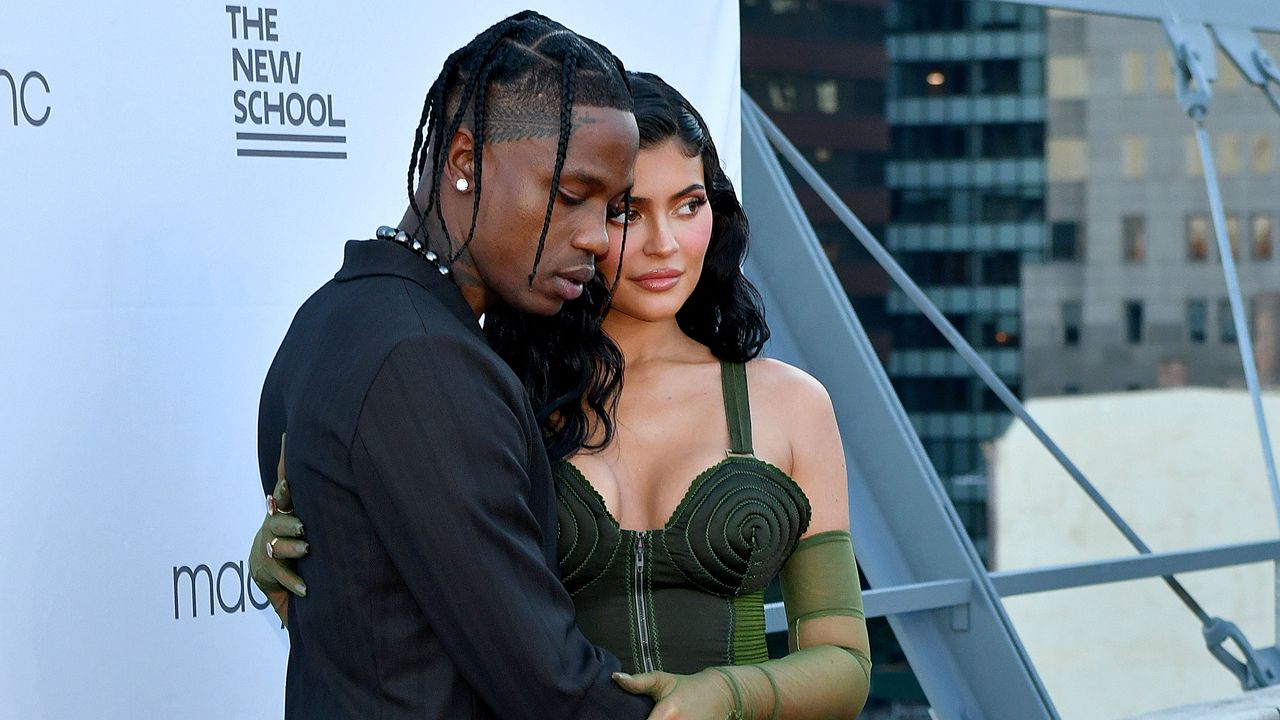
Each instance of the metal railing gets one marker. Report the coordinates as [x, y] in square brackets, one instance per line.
[1252, 667]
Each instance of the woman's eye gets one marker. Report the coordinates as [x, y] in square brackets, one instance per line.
[617, 215]
[692, 207]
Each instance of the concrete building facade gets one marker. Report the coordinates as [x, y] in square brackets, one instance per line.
[1131, 293]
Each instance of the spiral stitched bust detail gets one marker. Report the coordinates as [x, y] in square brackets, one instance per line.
[588, 535]
[736, 527]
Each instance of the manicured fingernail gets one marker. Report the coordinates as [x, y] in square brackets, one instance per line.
[621, 676]
[300, 591]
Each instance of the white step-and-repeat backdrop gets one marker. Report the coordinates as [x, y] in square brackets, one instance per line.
[155, 247]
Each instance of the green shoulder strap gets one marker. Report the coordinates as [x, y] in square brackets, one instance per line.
[737, 407]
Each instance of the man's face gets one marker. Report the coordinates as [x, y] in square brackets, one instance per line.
[516, 185]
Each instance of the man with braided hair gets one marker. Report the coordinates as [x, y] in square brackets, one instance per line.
[413, 451]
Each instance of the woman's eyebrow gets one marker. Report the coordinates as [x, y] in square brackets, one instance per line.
[686, 191]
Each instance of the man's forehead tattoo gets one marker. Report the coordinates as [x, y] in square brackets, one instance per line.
[512, 122]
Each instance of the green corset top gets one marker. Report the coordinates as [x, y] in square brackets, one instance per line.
[690, 594]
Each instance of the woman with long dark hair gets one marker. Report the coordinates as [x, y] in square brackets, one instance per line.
[687, 483]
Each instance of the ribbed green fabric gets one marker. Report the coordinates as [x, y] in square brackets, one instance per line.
[737, 406]
[749, 645]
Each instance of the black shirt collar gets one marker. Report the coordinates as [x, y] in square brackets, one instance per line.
[365, 258]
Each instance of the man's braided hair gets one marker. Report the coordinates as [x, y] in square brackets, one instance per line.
[521, 79]
[508, 83]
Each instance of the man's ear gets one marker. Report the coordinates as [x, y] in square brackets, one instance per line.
[460, 160]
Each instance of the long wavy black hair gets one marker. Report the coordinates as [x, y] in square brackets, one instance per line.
[569, 366]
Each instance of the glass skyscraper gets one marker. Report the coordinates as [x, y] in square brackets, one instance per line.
[966, 177]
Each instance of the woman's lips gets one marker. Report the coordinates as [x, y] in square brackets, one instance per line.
[658, 280]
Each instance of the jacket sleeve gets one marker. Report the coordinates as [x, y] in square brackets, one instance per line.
[446, 456]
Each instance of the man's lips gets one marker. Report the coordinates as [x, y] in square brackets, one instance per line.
[568, 283]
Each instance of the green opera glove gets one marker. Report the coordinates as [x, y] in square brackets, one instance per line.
[705, 695]
[827, 675]
[276, 546]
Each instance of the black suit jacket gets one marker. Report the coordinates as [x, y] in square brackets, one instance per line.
[416, 463]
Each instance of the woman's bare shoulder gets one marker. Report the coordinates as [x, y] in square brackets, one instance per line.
[785, 386]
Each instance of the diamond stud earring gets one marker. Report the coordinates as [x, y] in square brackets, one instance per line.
[462, 185]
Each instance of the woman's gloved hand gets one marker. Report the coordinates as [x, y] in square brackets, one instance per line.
[705, 695]
[276, 547]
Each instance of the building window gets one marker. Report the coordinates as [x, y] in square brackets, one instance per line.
[925, 206]
[828, 96]
[1226, 325]
[1233, 235]
[1261, 226]
[935, 142]
[1068, 159]
[1008, 140]
[1260, 155]
[998, 268]
[1071, 319]
[1068, 77]
[1064, 241]
[1000, 77]
[782, 95]
[1133, 321]
[1197, 238]
[1135, 72]
[1133, 228]
[1133, 156]
[1011, 204]
[1197, 321]
[926, 79]
[935, 15]
[1229, 153]
[1164, 72]
[995, 331]
[1191, 151]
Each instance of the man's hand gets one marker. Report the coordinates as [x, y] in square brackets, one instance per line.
[706, 695]
[276, 545]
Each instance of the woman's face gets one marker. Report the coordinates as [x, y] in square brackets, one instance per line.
[667, 237]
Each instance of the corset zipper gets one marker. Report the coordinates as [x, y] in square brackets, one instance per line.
[645, 661]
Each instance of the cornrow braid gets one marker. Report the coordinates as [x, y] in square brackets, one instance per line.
[486, 46]
[479, 130]
[516, 62]
[622, 251]
[568, 77]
